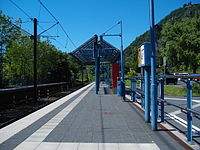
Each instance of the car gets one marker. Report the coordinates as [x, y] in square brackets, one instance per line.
[197, 78]
[171, 80]
[183, 74]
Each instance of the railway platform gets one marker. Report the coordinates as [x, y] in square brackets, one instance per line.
[86, 121]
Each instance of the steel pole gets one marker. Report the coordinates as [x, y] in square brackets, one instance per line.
[35, 58]
[147, 93]
[82, 75]
[96, 63]
[162, 95]
[189, 114]
[154, 106]
[122, 67]
[133, 88]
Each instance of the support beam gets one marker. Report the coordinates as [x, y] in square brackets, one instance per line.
[82, 75]
[35, 58]
[133, 88]
[122, 68]
[97, 64]
[107, 76]
[189, 106]
[147, 93]
[162, 105]
[154, 105]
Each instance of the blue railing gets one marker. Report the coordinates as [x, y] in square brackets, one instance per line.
[143, 93]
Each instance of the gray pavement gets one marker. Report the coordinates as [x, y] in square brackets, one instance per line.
[88, 121]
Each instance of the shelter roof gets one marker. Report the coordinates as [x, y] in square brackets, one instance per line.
[85, 52]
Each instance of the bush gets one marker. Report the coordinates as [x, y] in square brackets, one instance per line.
[196, 88]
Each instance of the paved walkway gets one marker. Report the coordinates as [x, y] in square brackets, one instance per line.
[84, 121]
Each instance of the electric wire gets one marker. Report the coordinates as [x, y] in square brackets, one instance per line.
[48, 10]
[111, 27]
[39, 13]
[59, 43]
[49, 28]
[57, 21]
[52, 38]
[21, 10]
[26, 32]
[45, 30]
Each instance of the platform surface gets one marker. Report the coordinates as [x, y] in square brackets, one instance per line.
[84, 121]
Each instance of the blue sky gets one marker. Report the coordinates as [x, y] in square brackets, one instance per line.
[83, 18]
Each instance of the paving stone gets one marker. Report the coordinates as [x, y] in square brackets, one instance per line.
[104, 120]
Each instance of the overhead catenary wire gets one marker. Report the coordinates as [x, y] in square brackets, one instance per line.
[52, 37]
[39, 13]
[57, 21]
[45, 30]
[49, 28]
[21, 10]
[111, 27]
[26, 32]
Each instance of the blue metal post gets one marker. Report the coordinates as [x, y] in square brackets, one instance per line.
[162, 108]
[96, 65]
[142, 98]
[142, 88]
[122, 68]
[154, 105]
[189, 114]
[107, 76]
[133, 88]
[98, 72]
[147, 93]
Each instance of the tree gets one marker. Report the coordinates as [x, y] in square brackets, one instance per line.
[53, 65]
[8, 32]
[181, 44]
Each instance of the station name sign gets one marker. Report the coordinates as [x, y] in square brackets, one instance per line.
[144, 55]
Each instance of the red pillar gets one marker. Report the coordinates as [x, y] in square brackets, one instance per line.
[115, 74]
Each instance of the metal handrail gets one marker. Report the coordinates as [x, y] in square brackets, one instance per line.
[167, 76]
[139, 91]
[181, 107]
[179, 76]
[188, 79]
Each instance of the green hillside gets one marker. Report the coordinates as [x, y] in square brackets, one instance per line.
[179, 21]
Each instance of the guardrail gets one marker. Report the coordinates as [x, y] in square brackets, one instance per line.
[144, 93]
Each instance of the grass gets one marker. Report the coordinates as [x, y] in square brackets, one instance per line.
[176, 91]
[128, 83]
[179, 91]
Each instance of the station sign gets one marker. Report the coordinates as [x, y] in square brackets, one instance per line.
[144, 55]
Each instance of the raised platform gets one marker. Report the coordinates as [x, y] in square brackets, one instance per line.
[84, 121]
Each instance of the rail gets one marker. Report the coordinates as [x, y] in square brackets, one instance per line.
[187, 79]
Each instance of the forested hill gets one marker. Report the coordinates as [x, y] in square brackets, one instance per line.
[174, 20]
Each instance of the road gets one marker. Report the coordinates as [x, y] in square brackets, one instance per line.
[180, 84]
